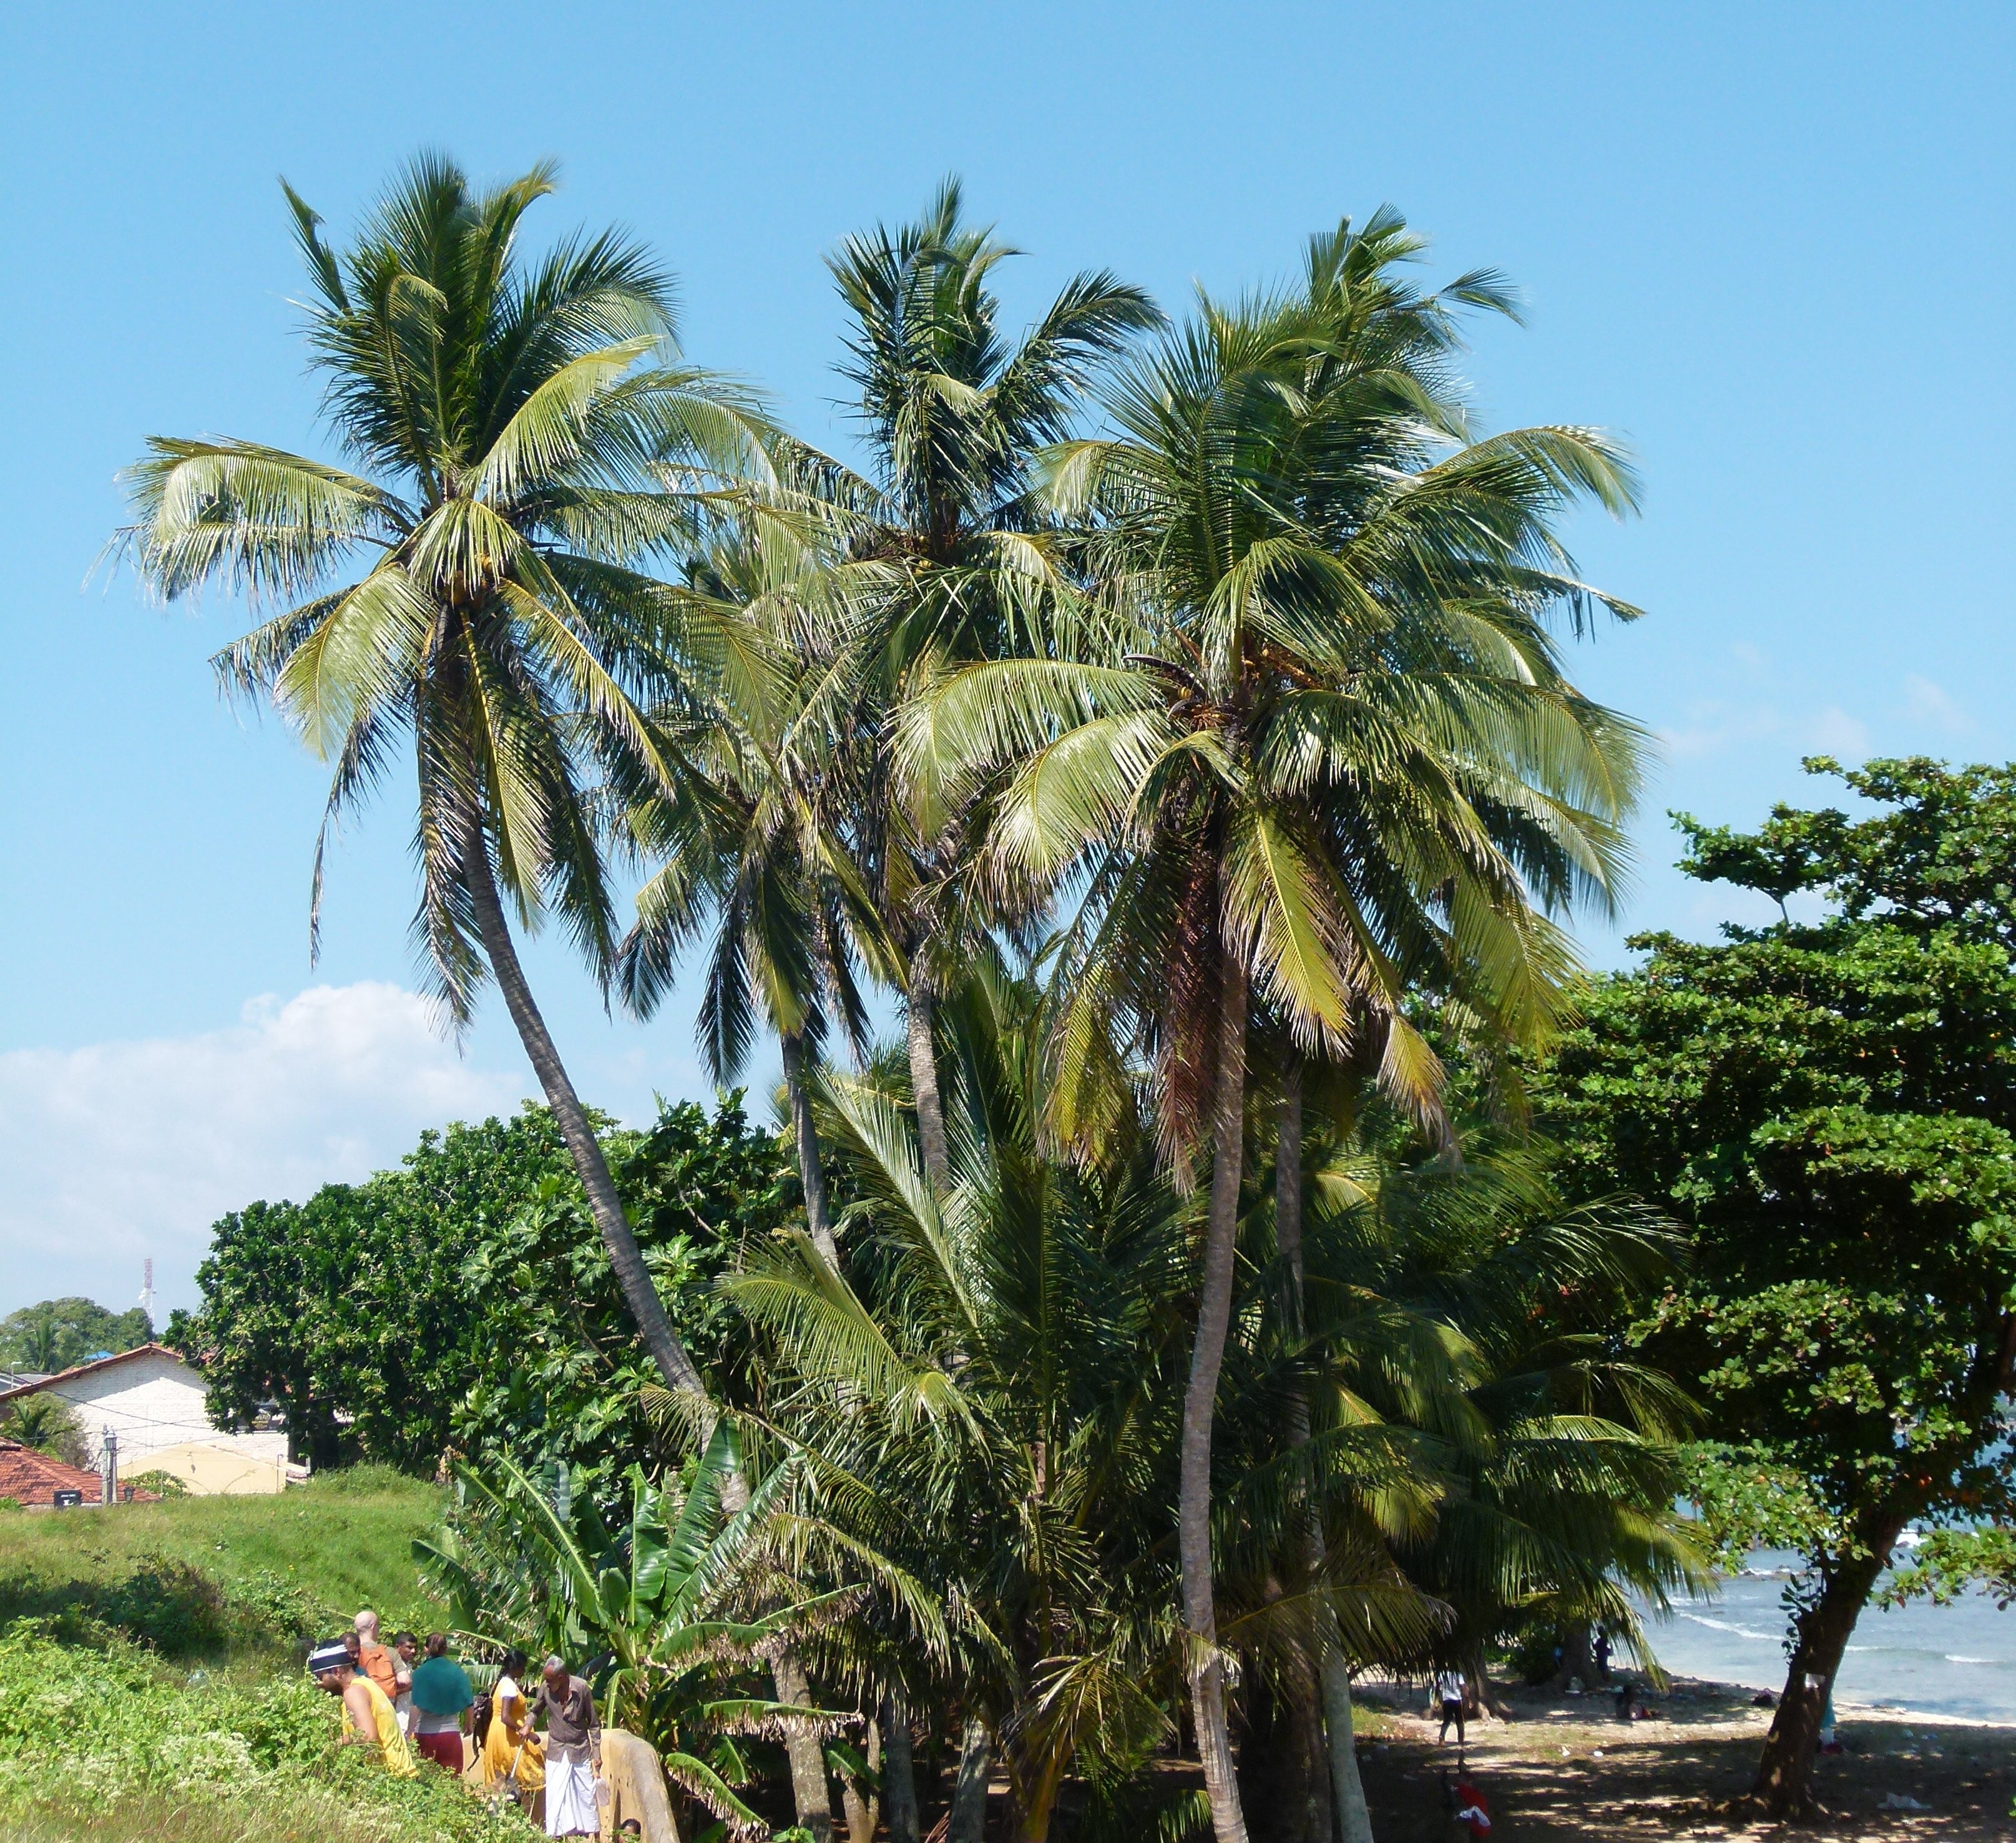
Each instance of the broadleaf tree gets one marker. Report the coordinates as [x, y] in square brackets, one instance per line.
[1830, 1109]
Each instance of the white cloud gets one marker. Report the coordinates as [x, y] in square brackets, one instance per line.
[1926, 702]
[1833, 732]
[120, 1151]
[1714, 727]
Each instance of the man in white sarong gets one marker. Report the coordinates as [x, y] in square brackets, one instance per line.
[566, 1708]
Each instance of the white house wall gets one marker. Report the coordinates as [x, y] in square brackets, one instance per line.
[153, 1403]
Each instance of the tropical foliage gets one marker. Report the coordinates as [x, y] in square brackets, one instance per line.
[463, 1302]
[652, 1599]
[105, 1729]
[1171, 719]
[54, 1333]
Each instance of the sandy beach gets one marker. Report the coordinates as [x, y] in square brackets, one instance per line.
[1565, 1768]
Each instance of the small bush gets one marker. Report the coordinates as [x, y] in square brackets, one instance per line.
[268, 1604]
[173, 1608]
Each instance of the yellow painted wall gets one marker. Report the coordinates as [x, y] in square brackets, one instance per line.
[215, 1471]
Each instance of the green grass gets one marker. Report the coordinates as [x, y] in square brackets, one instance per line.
[150, 1678]
[300, 1816]
[210, 1576]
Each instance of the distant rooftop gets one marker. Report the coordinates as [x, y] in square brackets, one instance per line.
[21, 1385]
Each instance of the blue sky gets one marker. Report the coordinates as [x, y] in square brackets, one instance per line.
[1769, 245]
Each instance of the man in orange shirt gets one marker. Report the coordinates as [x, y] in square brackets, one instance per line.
[372, 1658]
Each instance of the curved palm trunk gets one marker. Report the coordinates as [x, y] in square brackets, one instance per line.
[811, 1173]
[1347, 1799]
[614, 1226]
[925, 1080]
[1206, 1673]
[808, 1759]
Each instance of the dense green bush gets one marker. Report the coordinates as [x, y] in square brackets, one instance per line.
[80, 1725]
[466, 1300]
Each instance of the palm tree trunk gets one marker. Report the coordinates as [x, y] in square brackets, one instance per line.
[863, 1808]
[811, 1172]
[967, 1821]
[807, 1758]
[1036, 1804]
[1206, 1673]
[1354, 1819]
[925, 1080]
[899, 1783]
[624, 1256]
[809, 1791]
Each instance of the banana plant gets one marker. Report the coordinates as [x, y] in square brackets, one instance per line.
[658, 1606]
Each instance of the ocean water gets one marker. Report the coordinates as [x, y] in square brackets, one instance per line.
[1957, 1660]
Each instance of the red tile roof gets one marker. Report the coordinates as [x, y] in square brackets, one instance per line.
[33, 1479]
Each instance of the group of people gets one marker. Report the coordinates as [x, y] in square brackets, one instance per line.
[401, 1702]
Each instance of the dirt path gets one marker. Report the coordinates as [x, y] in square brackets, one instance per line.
[1566, 1769]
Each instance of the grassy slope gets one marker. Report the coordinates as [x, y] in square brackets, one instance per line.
[345, 1539]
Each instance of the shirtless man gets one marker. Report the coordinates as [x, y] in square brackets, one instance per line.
[368, 1719]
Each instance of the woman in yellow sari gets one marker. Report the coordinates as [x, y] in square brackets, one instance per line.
[512, 1754]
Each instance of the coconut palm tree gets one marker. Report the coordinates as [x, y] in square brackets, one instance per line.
[995, 1389]
[950, 559]
[751, 836]
[1324, 752]
[524, 443]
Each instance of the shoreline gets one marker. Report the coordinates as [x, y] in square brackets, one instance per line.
[1924, 1718]
[1379, 1692]
[1564, 1768]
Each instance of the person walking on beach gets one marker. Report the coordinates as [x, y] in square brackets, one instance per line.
[573, 1751]
[442, 1697]
[1448, 1693]
[368, 1714]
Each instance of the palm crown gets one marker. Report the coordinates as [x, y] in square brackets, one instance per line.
[952, 556]
[1326, 730]
[527, 442]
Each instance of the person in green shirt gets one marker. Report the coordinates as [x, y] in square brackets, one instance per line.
[441, 1701]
